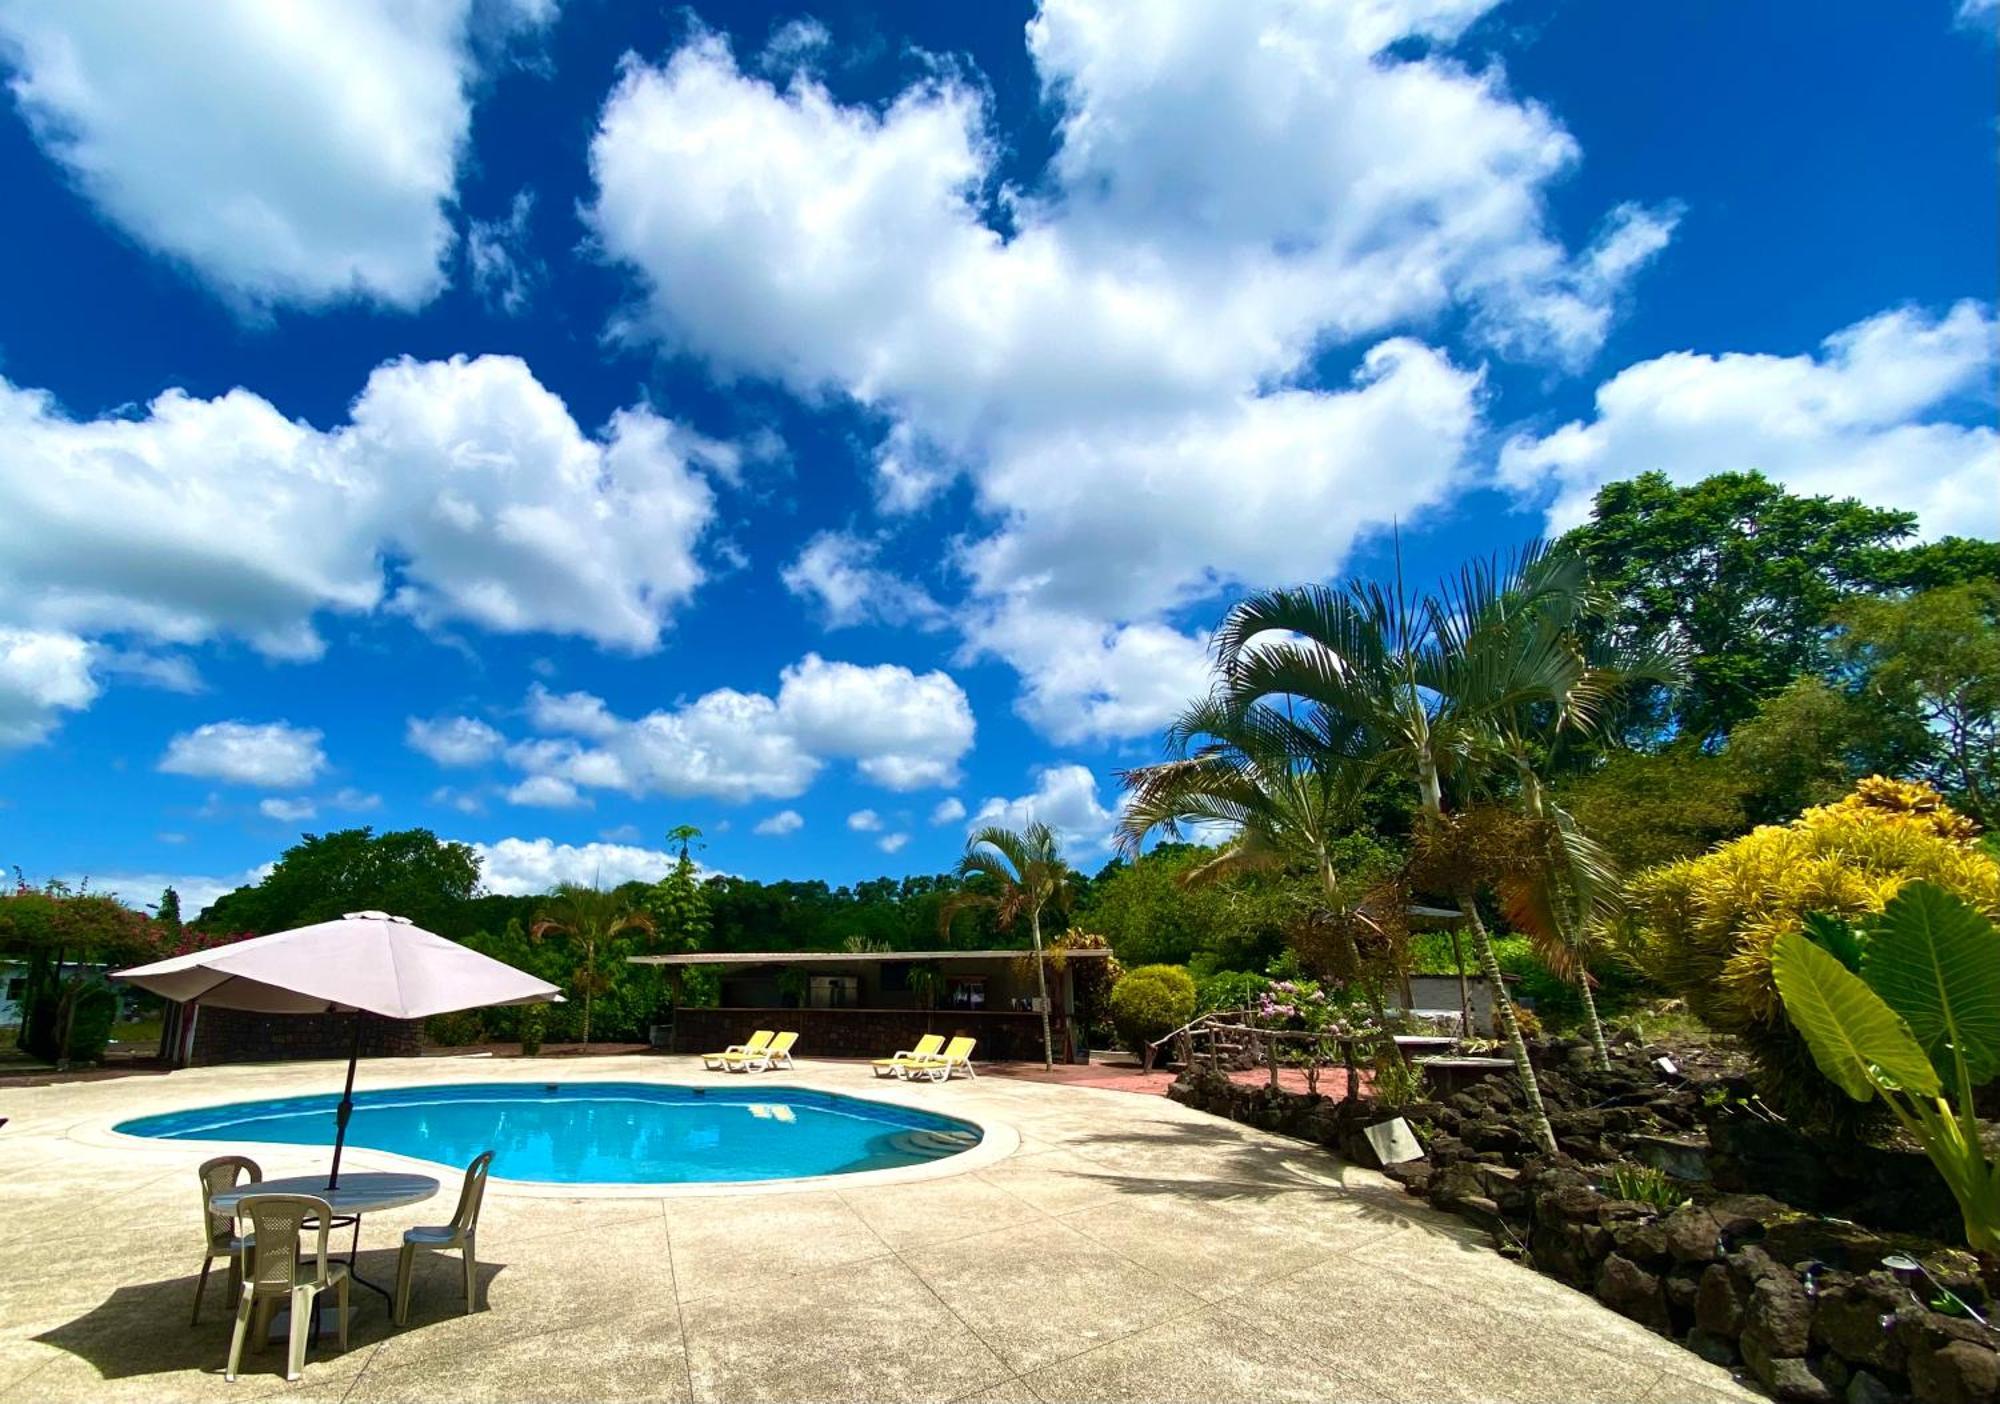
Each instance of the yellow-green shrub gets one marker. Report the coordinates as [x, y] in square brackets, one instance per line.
[1151, 1002]
[1703, 927]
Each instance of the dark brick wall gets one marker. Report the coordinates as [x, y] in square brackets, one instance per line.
[868, 1033]
[232, 1036]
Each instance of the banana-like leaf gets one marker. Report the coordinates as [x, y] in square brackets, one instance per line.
[1831, 933]
[1857, 1040]
[1936, 961]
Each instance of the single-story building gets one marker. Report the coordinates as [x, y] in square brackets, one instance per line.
[868, 1004]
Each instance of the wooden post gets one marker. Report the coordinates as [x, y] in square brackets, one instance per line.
[1353, 1072]
[1271, 1042]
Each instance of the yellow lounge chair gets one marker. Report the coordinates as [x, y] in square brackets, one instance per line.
[775, 1054]
[714, 1061]
[956, 1058]
[928, 1046]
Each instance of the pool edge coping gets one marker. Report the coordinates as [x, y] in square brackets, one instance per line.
[997, 1141]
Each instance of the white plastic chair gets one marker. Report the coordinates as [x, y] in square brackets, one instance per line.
[461, 1233]
[219, 1237]
[275, 1272]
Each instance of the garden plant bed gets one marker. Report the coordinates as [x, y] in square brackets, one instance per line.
[1791, 1291]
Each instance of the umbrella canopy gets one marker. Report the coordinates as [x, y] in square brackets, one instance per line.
[365, 963]
[368, 962]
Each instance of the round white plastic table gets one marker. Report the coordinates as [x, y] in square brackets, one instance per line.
[360, 1192]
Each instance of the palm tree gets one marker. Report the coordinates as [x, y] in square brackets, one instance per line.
[1024, 874]
[1288, 789]
[1427, 680]
[590, 917]
[1562, 901]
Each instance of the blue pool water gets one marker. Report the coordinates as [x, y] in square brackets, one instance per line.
[598, 1132]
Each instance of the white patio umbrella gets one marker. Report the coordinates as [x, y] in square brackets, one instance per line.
[366, 962]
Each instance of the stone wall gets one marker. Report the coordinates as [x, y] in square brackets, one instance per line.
[232, 1036]
[868, 1033]
[1798, 1302]
[1795, 1301]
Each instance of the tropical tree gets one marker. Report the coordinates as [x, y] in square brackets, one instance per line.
[686, 837]
[592, 920]
[411, 872]
[1288, 788]
[1932, 661]
[1015, 874]
[1428, 682]
[1570, 888]
[1748, 576]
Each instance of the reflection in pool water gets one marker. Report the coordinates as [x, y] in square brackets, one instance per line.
[599, 1132]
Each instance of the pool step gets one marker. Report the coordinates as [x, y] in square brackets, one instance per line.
[933, 1143]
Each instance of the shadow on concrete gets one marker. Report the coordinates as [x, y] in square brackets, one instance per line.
[1250, 1171]
[143, 1329]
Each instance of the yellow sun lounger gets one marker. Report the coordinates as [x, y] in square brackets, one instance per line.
[714, 1061]
[927, 1047]
[956, 1058]
[775, 1054]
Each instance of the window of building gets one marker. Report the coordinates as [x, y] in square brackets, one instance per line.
[966, 992]
[835, 991]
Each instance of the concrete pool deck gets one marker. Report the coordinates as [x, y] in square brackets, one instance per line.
[1124, 1248]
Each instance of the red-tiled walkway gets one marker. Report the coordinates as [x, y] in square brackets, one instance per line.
[1124, 1076]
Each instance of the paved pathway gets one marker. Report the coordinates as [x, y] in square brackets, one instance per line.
[1129, 1250]
[1120, 1076]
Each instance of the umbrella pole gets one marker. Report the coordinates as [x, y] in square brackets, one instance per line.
[346, 1108]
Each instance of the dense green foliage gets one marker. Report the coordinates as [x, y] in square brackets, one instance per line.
[1925, 670]
[1748, 576]
[410, 872]
[1150, 1003]
[1905, 1006]
[67, 1009]
[1152, 916]
[1704, 928]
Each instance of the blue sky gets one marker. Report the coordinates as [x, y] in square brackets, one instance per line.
[549, 421]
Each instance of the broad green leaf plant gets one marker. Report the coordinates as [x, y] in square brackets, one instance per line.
[1906, 1007]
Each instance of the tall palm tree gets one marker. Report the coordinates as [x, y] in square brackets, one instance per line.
[1427, 679]
[1561, 902]
[1288, 788]
[1024, 874]
[591, 918]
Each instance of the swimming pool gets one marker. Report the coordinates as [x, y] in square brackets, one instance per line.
[622, 1133]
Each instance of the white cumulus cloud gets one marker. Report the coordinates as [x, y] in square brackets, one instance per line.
[837, 571]
[901, 729]
[864, 821]
[1119, 362]
[274, 755]
[785, 821]
[458, 492]
[43, 673]
[518, 867]
[287, 811]
[1868, 417]
[948, 811]
[1064, 798]
[454, 740]
[304, 153]
[545, 792]
[892, 843]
